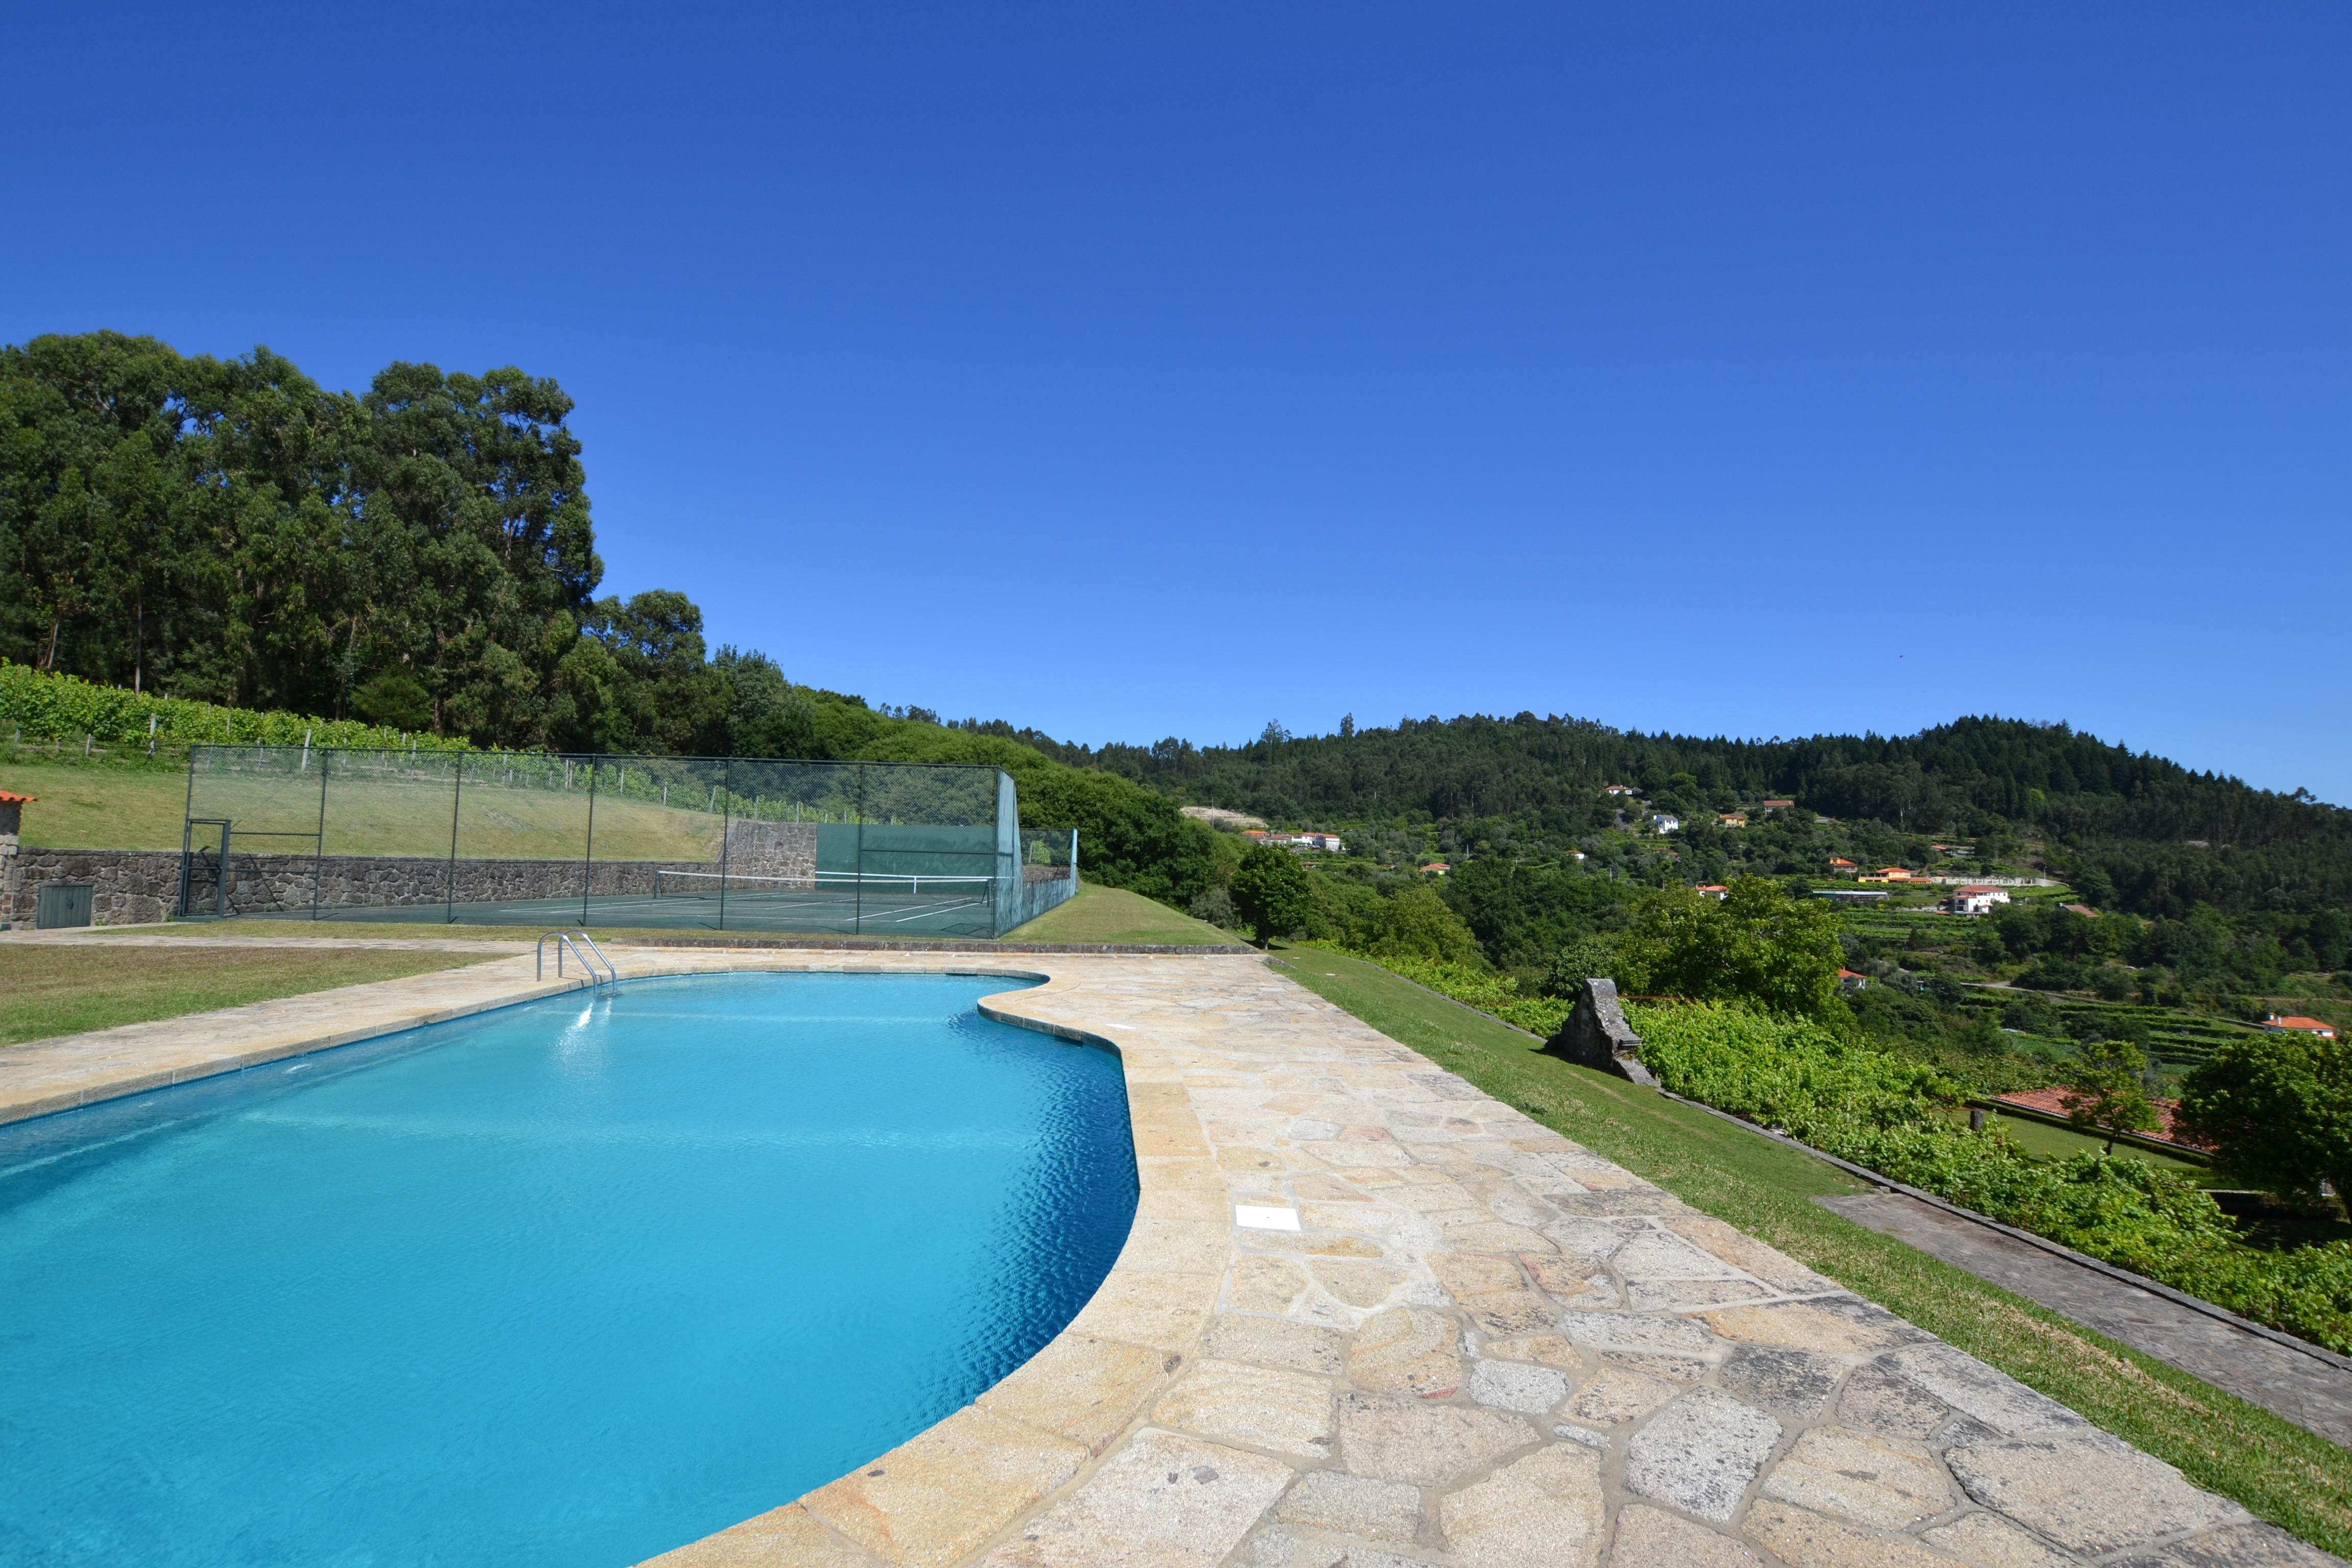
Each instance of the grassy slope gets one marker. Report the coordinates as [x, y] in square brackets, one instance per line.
[124, 807]
[1115, 915]
[56, 988]
[99, 807]
[2297, 1480]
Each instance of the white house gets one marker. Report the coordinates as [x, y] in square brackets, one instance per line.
[1667, 822]
[1976, 900]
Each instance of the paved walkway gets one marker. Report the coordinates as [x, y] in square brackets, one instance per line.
[1368, 1316]
[2305, 1389]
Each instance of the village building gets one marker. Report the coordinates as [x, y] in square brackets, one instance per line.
[1715, 890]
[1842, 866]
[1732, 819]
[2297, 1024]
[1976, 900]
[1889, 874]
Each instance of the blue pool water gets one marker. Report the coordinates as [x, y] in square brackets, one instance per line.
[570, 1283]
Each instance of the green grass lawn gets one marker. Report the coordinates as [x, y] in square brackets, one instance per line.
[64, 988]
[99, 807]
[2298, 1482]
[1115, 915]
[1111, 915]
[2046, 1142]
[123, 806]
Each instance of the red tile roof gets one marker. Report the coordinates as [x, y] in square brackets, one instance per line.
[9, 797]
[2301, 1024]
[2053, 1101]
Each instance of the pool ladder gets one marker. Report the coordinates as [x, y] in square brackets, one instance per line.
[573, 941]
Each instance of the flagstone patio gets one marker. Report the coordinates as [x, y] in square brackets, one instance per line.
[1368, 1316]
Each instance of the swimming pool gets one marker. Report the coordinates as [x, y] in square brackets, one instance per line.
[570, 1283]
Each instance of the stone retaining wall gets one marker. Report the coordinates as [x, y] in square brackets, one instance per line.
[139, 886]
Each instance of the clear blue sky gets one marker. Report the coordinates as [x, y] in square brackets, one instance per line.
[1135, 370]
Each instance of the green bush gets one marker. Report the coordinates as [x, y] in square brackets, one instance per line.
[45, 707]
[1864, 1105]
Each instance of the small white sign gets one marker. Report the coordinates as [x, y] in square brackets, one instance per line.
[1251, 1219]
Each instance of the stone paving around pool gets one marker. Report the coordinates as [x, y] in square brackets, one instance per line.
[1482, 1345]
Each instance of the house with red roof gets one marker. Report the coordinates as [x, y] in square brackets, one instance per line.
[2297, 1024]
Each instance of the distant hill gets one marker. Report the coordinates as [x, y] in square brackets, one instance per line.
[2137, 829]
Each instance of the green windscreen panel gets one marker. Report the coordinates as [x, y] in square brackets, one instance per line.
[654, 842]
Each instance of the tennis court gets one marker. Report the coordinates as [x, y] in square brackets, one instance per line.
[513, 838]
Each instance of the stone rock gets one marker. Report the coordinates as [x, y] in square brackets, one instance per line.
[1743, 1251]
[1700, 1453]
[787, 1534]
[1614, 1397]
[1872, 1481]
[1989, 1541]
[1513, 1312]
[1265, 1285]
[1545, 1350]
[1786, 1382]
[1276, 1548]
[1805, 1540]
[2089, 1495]
[1675, 1368]
[1876, 1400]
[1082, 1387]
[1287, 1412]
[1826, 1328]
[2001, 1402]
[1407, 1349]
[1584, 1434]
[2247, 1546]
[1641, 1332]
[1652, 1538]
[1352, 1505]
[1515, 1386]
[1597, 1036]
[1565, 1277]
[1468, 1274]
[1589, 1242]
[1355, 1283]
[1273, 1341]
[1163, 1500]
[1541, 1511]
[1396, 1437]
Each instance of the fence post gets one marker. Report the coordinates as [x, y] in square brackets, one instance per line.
[588, 850]
[457, 787]
[726, 831]
[318, 848]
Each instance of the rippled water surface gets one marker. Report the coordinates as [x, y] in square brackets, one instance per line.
[567, 1284]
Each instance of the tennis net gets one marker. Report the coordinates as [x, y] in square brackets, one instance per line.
[708, 884]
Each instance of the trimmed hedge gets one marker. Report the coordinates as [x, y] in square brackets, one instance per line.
[44, 707]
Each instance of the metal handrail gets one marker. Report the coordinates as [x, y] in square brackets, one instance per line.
[562, 941]
[609, 968]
